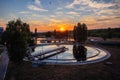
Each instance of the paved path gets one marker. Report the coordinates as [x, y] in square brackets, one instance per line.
[3, 64]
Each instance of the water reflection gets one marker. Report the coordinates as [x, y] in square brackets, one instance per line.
[79, 52]
[90, 53]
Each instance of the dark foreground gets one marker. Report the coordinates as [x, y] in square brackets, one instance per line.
[98, 71]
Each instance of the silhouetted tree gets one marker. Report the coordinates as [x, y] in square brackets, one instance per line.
[48, 34]
[80, 33]
[55, 33]
[35, 39]
[104, 36]
[80, 36]
[109, 33]
[74, 33]
[16, 37]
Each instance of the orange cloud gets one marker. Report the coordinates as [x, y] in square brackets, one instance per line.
[2, 24]
[50, 26]
[101, 22]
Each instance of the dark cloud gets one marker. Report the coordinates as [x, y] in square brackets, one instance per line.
[105, 19]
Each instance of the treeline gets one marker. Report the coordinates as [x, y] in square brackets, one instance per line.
[104, 33]
[56, 34]
[108, 33]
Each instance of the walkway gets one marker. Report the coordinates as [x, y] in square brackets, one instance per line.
[3, 64]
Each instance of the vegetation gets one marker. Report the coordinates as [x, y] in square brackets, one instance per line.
[104, 33]
[80, 33]
[48, 34]
[55, 34]
[107, 33]
[80, 36]
[16, 37]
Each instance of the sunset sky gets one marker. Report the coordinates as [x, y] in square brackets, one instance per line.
[47, 15]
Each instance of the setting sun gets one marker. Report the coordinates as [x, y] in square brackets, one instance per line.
[62, 29]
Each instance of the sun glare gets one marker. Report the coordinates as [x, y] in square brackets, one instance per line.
[62, 29]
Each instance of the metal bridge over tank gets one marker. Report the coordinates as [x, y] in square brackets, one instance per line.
[48, 53]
